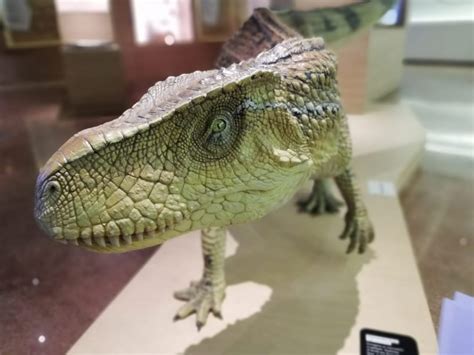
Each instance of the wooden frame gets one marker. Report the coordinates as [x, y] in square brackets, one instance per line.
[44, 30]
[217, 20]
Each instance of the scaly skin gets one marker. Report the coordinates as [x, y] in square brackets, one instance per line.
[207, 294]
[204, 151]
[266, 28]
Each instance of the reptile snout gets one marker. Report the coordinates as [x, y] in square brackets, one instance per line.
[47, 192]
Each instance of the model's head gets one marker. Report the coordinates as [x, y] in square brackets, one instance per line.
[203, 149]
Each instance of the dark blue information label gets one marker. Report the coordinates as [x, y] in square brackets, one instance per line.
[375, 342]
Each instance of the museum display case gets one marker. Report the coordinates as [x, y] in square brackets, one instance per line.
[233, 177]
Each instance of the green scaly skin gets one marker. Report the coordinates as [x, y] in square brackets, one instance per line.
[193, 138]
[204, 151]
[336, 24]
[266, 28]
[210, 149]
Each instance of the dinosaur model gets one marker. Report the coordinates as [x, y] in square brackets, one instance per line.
[266, 28]
[204, 151]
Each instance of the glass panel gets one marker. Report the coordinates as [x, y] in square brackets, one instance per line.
[82, 5]
[162, 21]
[84, 22]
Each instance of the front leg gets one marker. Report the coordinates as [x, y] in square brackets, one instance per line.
[358, 227]
[207, 294]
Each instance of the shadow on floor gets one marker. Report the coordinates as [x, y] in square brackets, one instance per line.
[304, 264]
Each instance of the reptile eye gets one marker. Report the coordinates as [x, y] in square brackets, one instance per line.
[218, 125]
[215, 135]
[52, 188]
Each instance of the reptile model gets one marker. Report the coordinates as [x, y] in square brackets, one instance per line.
[204, 151]
[266, 28]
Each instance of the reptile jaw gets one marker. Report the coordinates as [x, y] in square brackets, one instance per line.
[124, 243]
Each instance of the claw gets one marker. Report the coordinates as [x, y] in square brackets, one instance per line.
[359, 231]
[351, 246]
[217, 314]
[347, 229]
[201, 299]
[371, 235]
[362, 244]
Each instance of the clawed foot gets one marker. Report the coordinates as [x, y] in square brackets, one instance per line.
[320, 201]
[359, 230]
[201, 298]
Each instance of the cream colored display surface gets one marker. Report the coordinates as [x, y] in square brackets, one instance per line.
[291, 287]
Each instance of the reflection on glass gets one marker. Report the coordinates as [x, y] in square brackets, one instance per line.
[162, 21]
[452, 144]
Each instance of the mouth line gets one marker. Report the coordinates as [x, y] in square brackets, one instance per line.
[112, 242]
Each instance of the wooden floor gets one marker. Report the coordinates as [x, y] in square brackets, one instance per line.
[46, 289]
[439, 203]
[439, 214]
[438, 206]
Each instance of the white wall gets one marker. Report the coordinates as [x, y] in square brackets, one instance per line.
[441, 10]
[441, 30]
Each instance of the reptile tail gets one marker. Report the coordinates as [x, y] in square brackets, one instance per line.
[265, 28]
[262, 31]
[334, 24]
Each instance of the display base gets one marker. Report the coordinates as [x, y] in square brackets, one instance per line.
[291, 287]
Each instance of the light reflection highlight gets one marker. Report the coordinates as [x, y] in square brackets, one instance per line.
[449, 143]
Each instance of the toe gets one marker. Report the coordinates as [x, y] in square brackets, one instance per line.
[348, 230]
[184, 295]
[188, 293]
[371, 235]
[217, 307]
[202, 313]
[351, 246]
[362, 243]
[185, 311]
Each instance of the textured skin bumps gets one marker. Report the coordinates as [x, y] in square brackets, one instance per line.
[206, 149]
[209, 149]
[265, 28]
